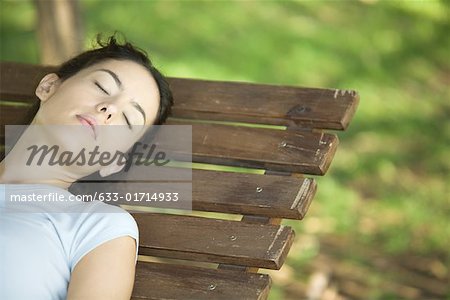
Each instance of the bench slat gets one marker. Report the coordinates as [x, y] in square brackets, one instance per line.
[223, 101]
[225, 192]
[167, 281]
[279, 196]
[213, 240]
[278, 150]
[263, 103]
[18, 81]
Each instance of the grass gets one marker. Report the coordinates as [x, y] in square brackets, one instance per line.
[388, 187]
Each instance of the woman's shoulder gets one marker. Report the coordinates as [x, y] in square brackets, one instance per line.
[100, 222]
[79, 226]
[113, 214]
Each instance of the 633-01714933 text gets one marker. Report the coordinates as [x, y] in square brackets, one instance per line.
[136, 197]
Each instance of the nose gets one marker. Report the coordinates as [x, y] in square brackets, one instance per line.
[107, 111]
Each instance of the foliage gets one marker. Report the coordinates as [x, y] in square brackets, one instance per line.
[387, 188]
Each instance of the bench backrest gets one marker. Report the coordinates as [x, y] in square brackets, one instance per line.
[291, 140]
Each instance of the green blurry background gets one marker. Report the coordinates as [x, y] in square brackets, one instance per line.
[378, 227]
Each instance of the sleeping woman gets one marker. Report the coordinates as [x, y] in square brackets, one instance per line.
[90, 254]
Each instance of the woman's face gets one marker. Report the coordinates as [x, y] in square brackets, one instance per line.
[111, 92]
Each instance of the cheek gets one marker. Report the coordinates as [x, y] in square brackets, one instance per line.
[63, 107]
[56, 114]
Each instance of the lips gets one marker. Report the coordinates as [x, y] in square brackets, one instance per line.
[89, 122]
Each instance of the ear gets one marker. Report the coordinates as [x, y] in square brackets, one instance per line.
[111, 169]
[47, 86]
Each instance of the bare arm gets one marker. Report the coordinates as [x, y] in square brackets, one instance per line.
[107, 272]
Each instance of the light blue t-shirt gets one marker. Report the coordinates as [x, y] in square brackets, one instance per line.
[39, 248]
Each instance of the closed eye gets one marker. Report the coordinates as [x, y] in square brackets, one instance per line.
[101, 88]
[128, 122]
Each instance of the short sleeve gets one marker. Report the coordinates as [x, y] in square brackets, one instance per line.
[103, 223]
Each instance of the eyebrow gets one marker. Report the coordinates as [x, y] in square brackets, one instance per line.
[119, 85]
[114, 76]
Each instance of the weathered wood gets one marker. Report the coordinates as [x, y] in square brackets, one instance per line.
[18, 81]
[251, 220]
[223, 101]
[252, 194]
[165, 281]
[263, 103]
[213, 240]
[226, 192]
[279, 150]
[13, 115]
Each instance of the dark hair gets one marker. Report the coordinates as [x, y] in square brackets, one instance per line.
[112, 49]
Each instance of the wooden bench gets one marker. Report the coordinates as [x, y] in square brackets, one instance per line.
[232, 250]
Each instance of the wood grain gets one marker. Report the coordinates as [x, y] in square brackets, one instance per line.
[279, 150]
[261, 148]
[166, 281]
[226, 192]
[213, 240]
[221, 100]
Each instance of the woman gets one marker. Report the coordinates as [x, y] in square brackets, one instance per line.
[90, 254]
